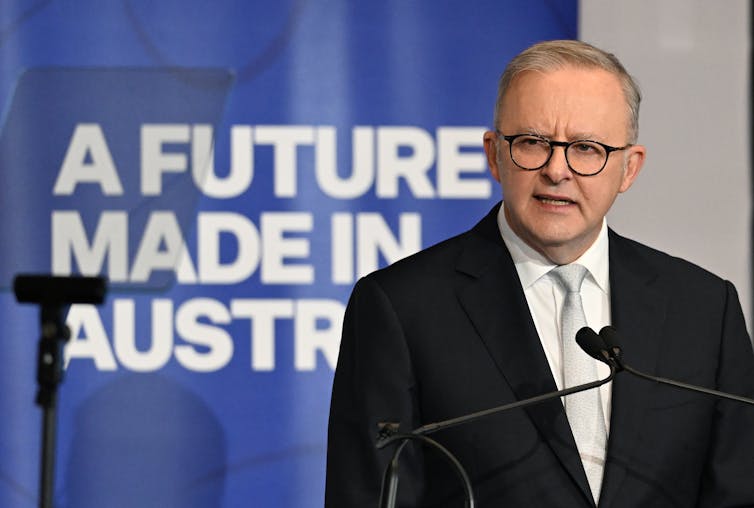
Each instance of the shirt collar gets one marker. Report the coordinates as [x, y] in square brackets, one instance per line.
[531, 265]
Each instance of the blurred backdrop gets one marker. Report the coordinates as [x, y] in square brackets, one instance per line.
[233, 167]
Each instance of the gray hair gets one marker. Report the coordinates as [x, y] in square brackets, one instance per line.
[552, 55]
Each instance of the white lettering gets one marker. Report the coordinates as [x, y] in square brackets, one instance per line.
[277, 248]
[69, 241]
[217, 341]
[124, 335]
[88, 338]
[285, 141]
[413, 168]
[341, 257]
[155, 162]
[211, 227]
[362, 168]
[88, 160]
[373, 237]
[203, 162]
[262, 315]
[452, 163]
[162, 248]
[317, 329]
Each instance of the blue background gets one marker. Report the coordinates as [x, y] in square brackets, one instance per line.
[234, 436]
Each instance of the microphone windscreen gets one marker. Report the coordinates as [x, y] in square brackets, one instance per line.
[591, 343]
[55, 290]
[610, 337]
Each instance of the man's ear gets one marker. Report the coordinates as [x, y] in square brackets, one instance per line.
[490, 149]
[632, 168]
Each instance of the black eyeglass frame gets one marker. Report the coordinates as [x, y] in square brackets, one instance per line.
[566, 145]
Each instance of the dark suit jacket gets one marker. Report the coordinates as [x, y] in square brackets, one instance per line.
[448, 332]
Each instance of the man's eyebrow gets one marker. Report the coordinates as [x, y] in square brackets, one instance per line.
[532, 130]
[585, 135]
[573, 136]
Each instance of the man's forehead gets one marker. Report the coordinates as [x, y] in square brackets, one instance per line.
[577, 73]
[578, 92]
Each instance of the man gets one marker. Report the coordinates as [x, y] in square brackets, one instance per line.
[481, 320]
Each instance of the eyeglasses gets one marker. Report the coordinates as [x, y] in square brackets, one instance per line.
[584, 157]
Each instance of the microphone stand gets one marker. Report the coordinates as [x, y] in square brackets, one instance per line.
[55, 333]
[389, 494]
[388, 434]
[54, 295]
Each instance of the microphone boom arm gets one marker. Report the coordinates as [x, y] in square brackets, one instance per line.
[452, 422]
[388, 433]
[609, 336]
[686, 386]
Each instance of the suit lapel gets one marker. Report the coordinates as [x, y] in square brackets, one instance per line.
[638, 312]
[496, 305]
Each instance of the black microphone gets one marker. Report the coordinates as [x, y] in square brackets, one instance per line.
[610, 337]
[593, 344]
[55, 290]
[389, 432]
[597, 347]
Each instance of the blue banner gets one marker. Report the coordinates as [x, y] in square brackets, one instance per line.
[232, 167]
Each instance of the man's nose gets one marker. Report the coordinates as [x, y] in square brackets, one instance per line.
[556, 169]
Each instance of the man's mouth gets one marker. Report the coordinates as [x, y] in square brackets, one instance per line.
[555, 201]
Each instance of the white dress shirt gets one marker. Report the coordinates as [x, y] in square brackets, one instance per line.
[545, 298]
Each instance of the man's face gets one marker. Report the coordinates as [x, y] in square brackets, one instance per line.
[555, 211]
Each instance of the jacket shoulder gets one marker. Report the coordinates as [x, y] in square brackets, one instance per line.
[470, 251]
[642, 257]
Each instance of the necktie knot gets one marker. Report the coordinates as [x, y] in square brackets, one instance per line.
[570, 277]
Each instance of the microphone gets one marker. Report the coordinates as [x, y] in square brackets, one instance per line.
[610, 339]
[53, 290]
[593, 344]
[597, 347]
[388, 432]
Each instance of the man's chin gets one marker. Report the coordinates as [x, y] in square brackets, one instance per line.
[560, 246]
